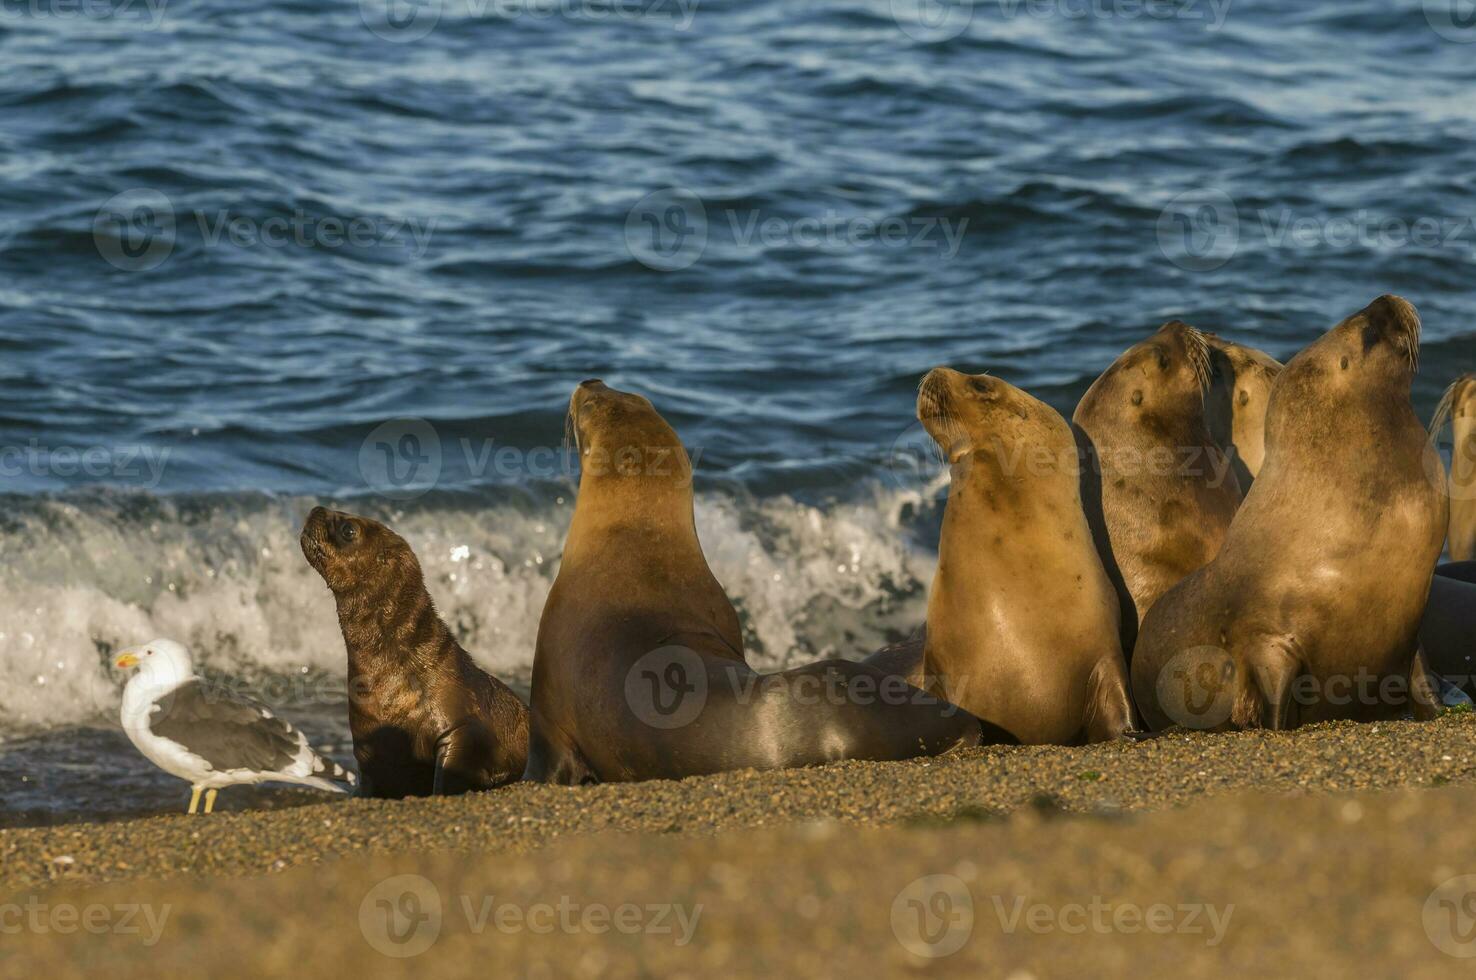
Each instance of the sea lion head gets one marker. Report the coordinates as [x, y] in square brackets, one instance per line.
[1371, 354]
[1349, 384]
[1164, 377]
[621, 437]
[975, 417]
[1244, 373]
[350, 552]
[1235, 404]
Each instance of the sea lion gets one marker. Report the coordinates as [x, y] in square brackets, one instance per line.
[425, 719]
[1459, 407]
[1159, 492]
[1022, 619]
[1312, 607]
[639, 670]
[1235, 405]
[1448, 627]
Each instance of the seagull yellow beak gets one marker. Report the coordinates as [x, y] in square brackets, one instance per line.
[126, 660]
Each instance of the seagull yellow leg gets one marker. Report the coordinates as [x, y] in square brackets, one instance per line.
[194, 799]
[210, 799]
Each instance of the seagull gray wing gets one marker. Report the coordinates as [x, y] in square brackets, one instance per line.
[226, 731]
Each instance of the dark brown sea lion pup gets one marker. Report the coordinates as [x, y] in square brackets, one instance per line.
[1022, 619]
[425, 719]
[639, 671]
[1158, 490]
[1235, 405]
[1459, 407]
[1312, 607]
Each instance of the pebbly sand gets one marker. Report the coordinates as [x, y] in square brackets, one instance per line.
[1316, 853]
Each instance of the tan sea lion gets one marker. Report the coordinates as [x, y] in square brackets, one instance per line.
[1458, 405]
[1158, 490]
[639, 671]
[1022, 619]
[425, 719]
[1235, 405]
[1312, 607]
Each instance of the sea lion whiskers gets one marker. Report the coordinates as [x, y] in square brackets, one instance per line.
[571, 434]
[1445, 408]
[1410, 328]
[1197, 348]
[935, 405]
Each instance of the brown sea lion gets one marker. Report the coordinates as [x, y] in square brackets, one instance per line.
[1458, 405]
[639, 671]
[1311, 609]
[1022, 619]
[1158, 490]
[1235, 404]
[425, 719]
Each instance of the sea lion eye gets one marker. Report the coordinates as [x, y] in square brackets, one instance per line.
[347, 532]
[1163, 362]
[1345, 362]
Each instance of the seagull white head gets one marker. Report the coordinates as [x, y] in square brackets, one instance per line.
[160, 663]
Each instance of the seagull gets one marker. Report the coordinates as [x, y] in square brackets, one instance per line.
[212, 738]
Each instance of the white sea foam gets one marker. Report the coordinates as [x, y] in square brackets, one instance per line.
[82, 579]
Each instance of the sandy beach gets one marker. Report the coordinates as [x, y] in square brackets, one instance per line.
[1310, 853]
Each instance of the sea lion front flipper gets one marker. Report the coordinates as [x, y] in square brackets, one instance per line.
[1266, 676]
[1109, 707]
[838, 709]
[552, 758]
[464, 757]
[1424, 701]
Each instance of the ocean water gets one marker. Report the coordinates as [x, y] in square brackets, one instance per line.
[258, 257]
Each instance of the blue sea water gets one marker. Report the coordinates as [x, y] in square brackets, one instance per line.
[259, 256]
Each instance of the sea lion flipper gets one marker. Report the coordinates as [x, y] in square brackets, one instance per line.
[1424, 701]
[1109, 709]
[552, 758]
[866, 713]
[467, 758]
[1264, 697]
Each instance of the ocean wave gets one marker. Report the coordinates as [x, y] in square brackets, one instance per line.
[86, 576]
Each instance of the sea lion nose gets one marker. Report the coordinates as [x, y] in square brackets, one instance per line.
[591, 383]
[1392, 313]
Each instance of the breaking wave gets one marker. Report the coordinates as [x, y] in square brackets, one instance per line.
[85, 576]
